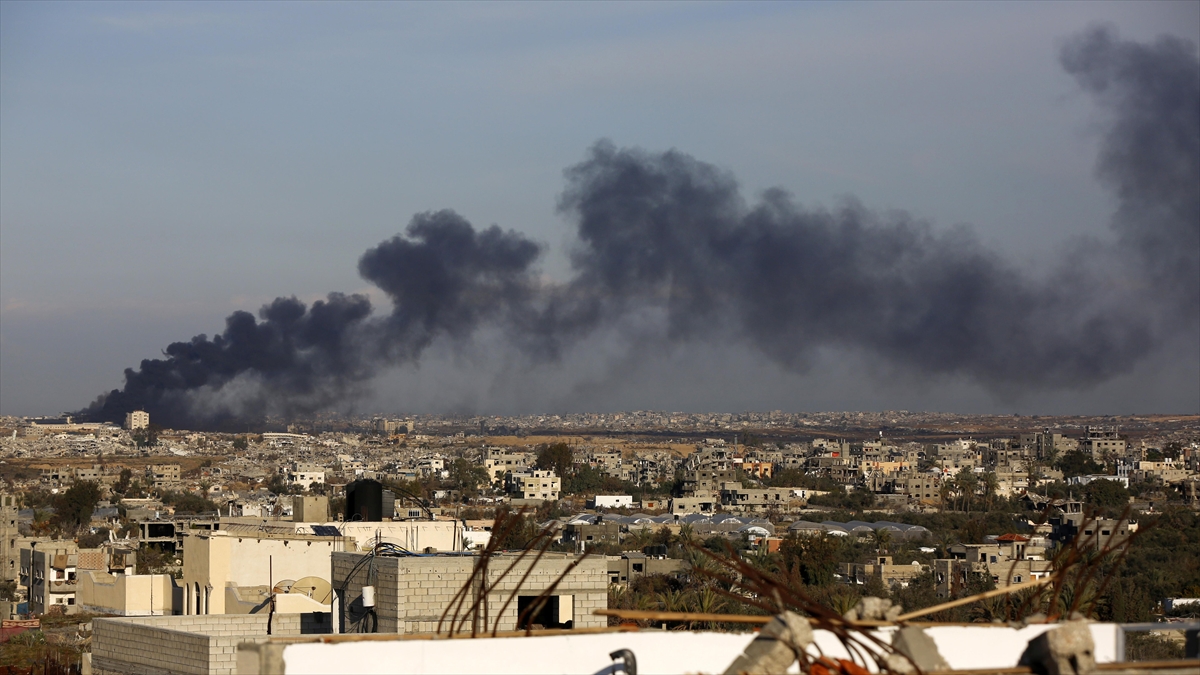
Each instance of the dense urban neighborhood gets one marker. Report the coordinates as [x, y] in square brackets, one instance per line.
[375, 524]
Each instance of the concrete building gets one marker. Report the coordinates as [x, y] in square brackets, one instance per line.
[706, 482]
[163, 476]
[225, 571]
[388, 427]
[138, 419]
[412, 592]
[310, 509]
[91, 473]
[1011, 561]
[50, 569]
[685, 505]
[48, 572]
[535, 484]
[497, 463]
[10, 552]
[924, 487]
[305, 476]
[127, 595]
[630, 565]
[1103, 442]
[1097, 533]
[602, 532]
[611, 502]
[752, 500]
[883, 569]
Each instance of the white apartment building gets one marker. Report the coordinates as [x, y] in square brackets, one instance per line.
[138, 419]
[305, 476]
[536, 484]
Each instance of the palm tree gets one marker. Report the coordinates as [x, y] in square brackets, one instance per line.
[966, 482]
[762, 559]
[637, 539]
[686, 534]
[707, 601]
[882, 537]
[990, 485]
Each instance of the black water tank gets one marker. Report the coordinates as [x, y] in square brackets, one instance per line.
[364, 500]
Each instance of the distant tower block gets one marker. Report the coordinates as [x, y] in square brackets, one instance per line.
[138, 419]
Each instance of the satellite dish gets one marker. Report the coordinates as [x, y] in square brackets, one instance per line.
[283, 586]
[314, 587]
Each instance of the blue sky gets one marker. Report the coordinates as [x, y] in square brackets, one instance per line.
[164, 164]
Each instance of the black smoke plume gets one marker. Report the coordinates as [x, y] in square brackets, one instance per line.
[668, 233]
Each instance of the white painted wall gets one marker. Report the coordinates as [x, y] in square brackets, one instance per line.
[656, 651]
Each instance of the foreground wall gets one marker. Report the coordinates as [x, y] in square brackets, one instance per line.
[185, 645]
[657, 652]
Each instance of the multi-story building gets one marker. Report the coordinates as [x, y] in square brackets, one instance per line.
[630, 565]
[163, 476]
[599, 532]
[1007, 562]
[138, 419]
[706, 482]
[736, 497]
[10, 553]
[49, 570]
[924, 487]
[881, 568]
[535, 484]
[1103, 442]
[304, 476]
[499, 462]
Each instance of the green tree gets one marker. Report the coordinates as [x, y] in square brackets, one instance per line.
[813, 557]
[1107, 494]
[882, 537]
[991, 484]
[240, 443]
[123, 481]
[73, 509]
[556, 456]
[187, 503]
[586, 479]
[1077, 463]
[966, 481]
[467, 476]
[145, 438]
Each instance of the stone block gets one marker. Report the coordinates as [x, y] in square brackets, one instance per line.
[775, 648]
[1066, 650]
[915, 647]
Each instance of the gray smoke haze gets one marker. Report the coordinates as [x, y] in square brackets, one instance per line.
[669, 235]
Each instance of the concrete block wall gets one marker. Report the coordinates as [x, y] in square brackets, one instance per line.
[182, 645]
[412, 593]
[426, 586]
[130, 647]
[587, 584]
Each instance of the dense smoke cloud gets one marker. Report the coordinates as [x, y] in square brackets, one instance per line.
[1151, 153]
[667, 233]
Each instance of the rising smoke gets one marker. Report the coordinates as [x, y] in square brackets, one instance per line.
[667, 232]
